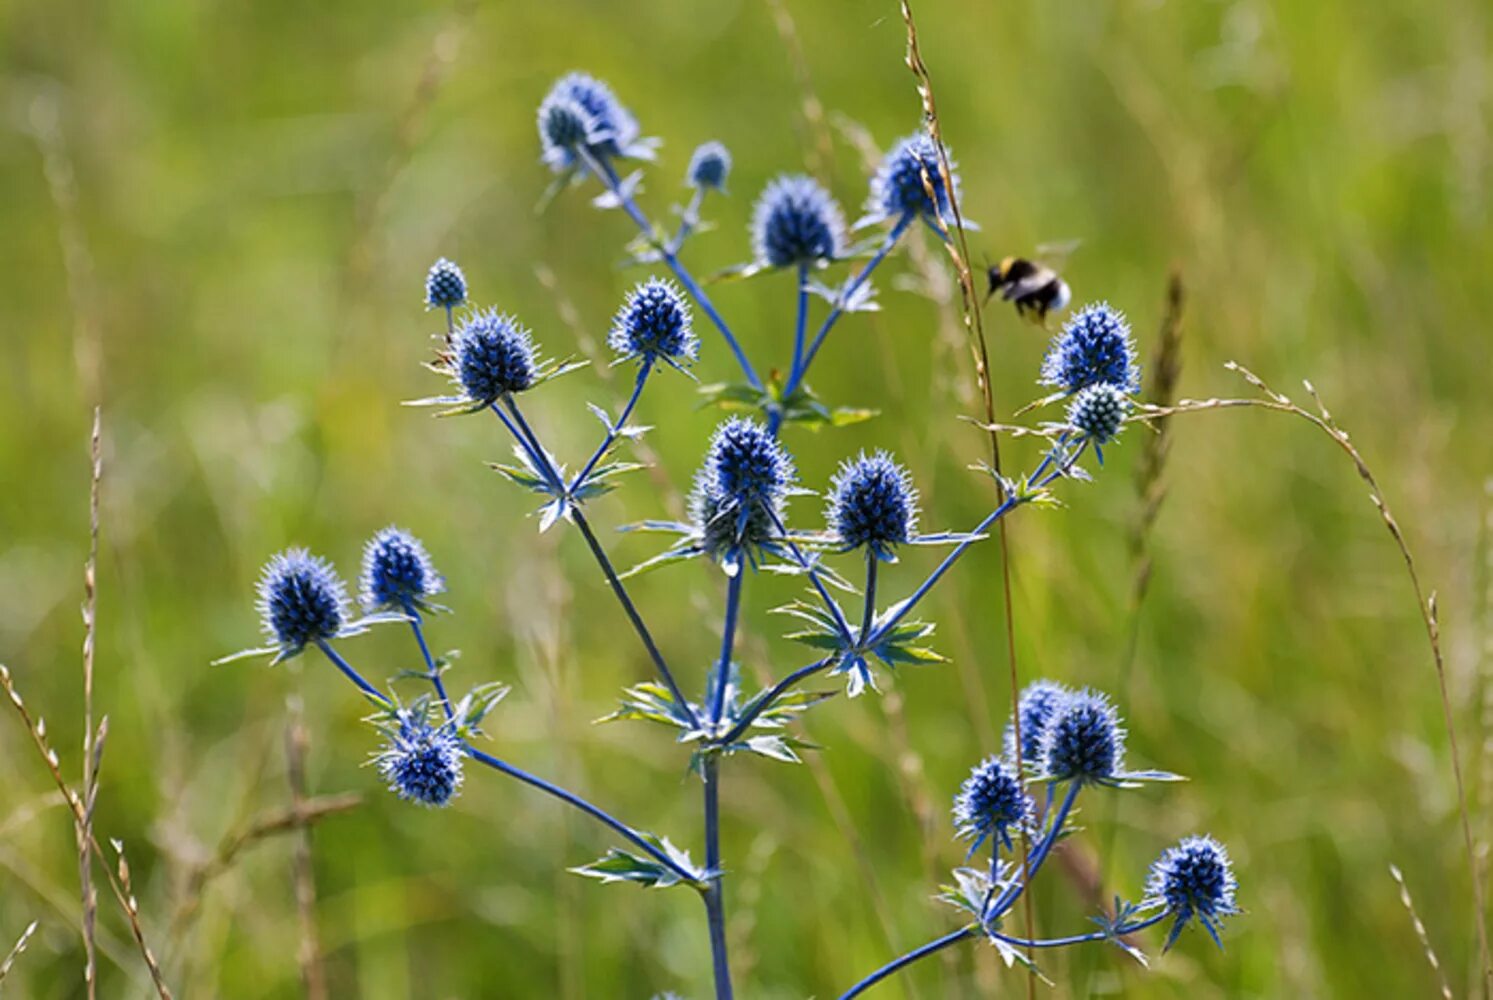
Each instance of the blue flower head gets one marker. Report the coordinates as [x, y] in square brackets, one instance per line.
[709, 167]
[898, 188]
[397, 573]
[872, 502]
[1193, 880]
[580, 112]
[746, 465]
[493, 356]
[1094, 347]
[1098, 412]
[990, 802]
[655, 323]
[1084, 741]
[796, 221]
[726, 529]
[445, 285]
[422, 763]
[1037, 705]
[301, 601]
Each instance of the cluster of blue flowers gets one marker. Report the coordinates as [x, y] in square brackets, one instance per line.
[738, 519]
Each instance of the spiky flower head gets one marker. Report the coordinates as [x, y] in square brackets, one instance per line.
[397, 573]
[301, 601]
[872, 502]
[655, 323]
[445, 285]
[493, 356]
[1193, 880]
[899, 187]
[580, 112]
[709, 167]
[1098, 412]
[746, 465]
[990, 802]
[422, 763]
[1036, 707]
[1084, 740]
[1094, 347]
[796, 221]
[726, 528]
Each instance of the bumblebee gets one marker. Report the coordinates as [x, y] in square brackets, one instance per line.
[1035, 288]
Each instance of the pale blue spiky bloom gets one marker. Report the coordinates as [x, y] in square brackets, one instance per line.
[900, 185]
[492, 356]
[581, 112]
[746, 464]
[655, 323]
[1193, 881]
[872, 502]
[1038, 702]
[726, 528]
[422, 763]
[796, 221]
[1083, 741]
[445, 285]
[990, 802]
[1098, 412]
[709, 166]
[1094, 347]
[301, 601]
[397, 573]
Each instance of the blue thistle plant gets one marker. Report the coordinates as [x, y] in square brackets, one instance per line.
[580, 113]
[397, 573]
[796, 221]
[872, 503]
[422, 763]
[301, 601]
[1038, 703]
[746, 465]
[1083, 740]
[1097, 414]
[1193, 881]
[709, 166]
[898, 188]
[655, 324]
[1094, 347]
[494, 357]
[990, 802]
[445, 285]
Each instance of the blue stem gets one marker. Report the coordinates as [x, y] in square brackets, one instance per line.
[796, 371]
[632, 401]
[813, 574]
[430, 667]
[527, 434]
[887, 244]
[570, 798]
[687, 223]
[1034, 862]
[728, 641]
[536, 455]
[1083, 938]
[603, 170]
[776, 692]
[891, 968]
[352, 674]
[868, 618]
[715, 903]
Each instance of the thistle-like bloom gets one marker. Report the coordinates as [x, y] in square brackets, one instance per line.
[397, 573]
[990, 802]
[1084, 741]
[740, 489]
[724, 529]
[873, 503]
[445, 285]
[709, 167]
[301, 601]
[1038, 703]
[899, 187]
[422, 763]
[796, 221]
[654, 323]
[1098, 412]
[581, 112]
[1193, 880]
[1094, 347]
[493, 356]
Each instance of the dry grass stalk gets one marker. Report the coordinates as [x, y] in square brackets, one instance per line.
[1420, 932]
[38, 731]
[820, 144]
[84, 831]
[308, 953]
[15, 952]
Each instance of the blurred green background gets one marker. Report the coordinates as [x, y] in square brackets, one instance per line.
[217, 218]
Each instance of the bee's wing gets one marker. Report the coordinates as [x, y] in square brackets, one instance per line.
[1058, 252]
